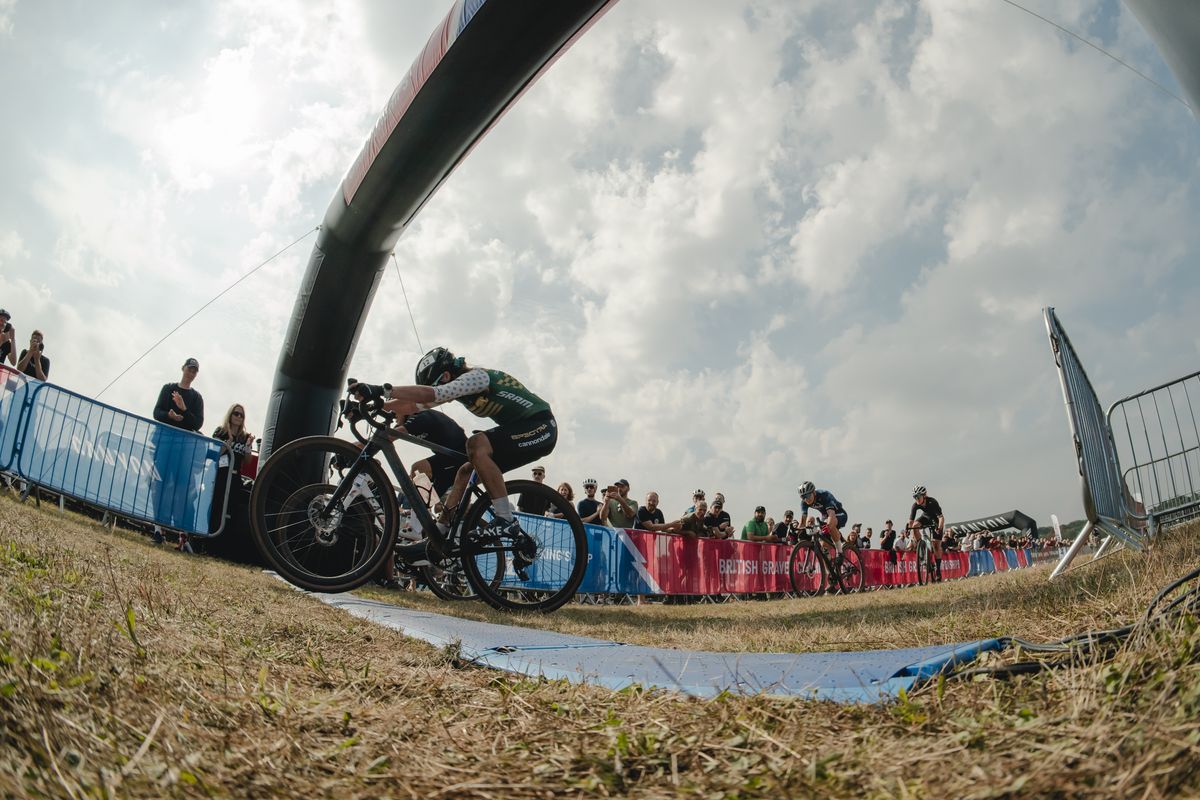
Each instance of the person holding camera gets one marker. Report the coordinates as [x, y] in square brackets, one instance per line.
[8, 339]
[618, 510]
[32, 362]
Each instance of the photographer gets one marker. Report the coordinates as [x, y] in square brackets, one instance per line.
[8, 339]
[32, 362]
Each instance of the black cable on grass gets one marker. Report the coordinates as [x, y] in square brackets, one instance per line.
[1093, 645]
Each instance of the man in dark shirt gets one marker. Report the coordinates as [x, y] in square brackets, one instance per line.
[650, 516]
[534, 504]
[8, 339]
[180, 406]
[589, 507]
[32, 362]
[718, 521]
[784, 530]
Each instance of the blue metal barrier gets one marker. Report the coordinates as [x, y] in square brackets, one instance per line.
[75, 446]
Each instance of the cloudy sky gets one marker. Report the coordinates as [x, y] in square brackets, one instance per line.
[736, 244]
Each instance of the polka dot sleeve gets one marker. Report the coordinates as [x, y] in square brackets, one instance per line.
[471, 382]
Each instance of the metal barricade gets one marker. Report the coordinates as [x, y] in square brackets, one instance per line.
[114, 460]
[1158, 438]
[14, 396]
[1107, 506]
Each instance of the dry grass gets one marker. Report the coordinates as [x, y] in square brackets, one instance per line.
[1019, 603]
[127, 670]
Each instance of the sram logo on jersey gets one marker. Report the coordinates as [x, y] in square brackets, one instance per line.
[516, 398]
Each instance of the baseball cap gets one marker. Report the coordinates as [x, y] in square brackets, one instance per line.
[621, 482]
[539, 468]
[191, 362]
[760, 508]
[5, 314]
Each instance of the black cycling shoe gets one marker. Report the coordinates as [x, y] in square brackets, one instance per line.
[420, 554]
[525, 549]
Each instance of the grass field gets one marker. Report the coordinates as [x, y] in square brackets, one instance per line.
[132, 671]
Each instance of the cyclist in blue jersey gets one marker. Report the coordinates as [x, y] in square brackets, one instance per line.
[826, 508]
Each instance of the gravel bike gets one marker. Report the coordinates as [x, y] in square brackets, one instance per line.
[815, 566]
[325, 516]
[926, 559]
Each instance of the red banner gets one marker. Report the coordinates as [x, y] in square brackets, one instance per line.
[673, 564]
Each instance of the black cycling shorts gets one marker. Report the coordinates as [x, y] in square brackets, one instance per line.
[445, 470]
[519, 443]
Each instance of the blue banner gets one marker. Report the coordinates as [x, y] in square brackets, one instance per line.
[107, 457]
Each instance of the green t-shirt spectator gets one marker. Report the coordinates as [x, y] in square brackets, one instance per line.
[756, 527]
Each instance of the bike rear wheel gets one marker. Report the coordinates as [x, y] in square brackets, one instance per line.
[557, 547]
[300, 537]
[806, 568]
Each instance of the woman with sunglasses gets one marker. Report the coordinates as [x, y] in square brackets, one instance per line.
[232, 431]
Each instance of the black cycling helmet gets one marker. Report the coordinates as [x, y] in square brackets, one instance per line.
[919, 490]
[433, 364]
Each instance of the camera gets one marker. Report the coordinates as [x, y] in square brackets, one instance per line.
[7, 327]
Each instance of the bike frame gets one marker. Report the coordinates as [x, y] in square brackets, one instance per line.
[383, 440]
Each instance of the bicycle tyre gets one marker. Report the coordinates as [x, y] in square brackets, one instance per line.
[450, 581]
[806, 570]
[485, 551]
[851, 572]
[281, 507]
[923, 562]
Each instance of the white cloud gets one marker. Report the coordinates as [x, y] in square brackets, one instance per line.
[737, 244]
[7, 10]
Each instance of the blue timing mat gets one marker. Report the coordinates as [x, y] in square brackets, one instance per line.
[868, 676]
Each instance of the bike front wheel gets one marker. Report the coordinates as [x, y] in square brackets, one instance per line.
[924, 563]
[536, 565]
[806, 568]
[851, 574]
[301, 536]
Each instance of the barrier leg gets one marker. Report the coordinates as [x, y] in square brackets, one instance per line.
[1108, 540]
[1073, 550]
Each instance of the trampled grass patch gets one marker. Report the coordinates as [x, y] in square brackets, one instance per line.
[132, 671]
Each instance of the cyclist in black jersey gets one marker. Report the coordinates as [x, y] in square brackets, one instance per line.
[526, 429]
[927, 513]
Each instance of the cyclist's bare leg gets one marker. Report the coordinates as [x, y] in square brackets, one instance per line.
[450, 501]
[479, 451]
[831, 522]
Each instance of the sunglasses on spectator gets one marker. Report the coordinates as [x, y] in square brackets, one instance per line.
[237, 414]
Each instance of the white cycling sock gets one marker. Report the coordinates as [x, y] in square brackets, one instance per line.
[502, 508]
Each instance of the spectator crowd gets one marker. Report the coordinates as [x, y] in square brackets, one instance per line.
[613, 508]
[181, 405]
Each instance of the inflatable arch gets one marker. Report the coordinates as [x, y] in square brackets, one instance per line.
[1022, 523]
[474, 66]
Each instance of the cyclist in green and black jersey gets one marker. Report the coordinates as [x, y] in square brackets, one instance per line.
[525, 430]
